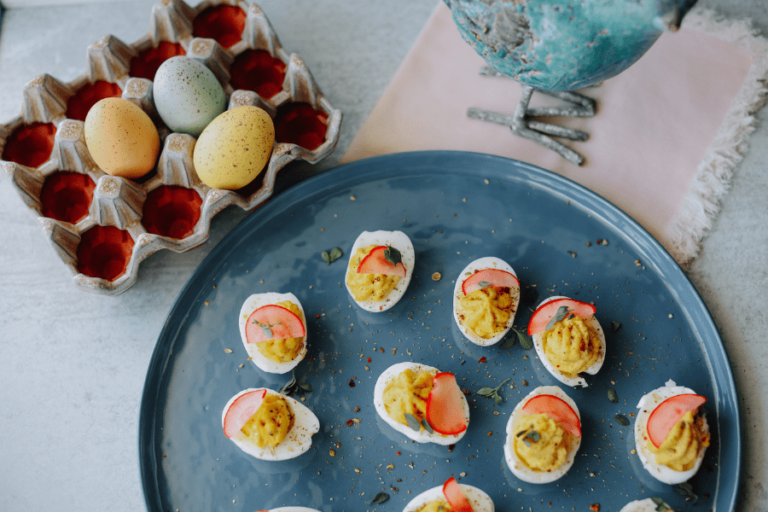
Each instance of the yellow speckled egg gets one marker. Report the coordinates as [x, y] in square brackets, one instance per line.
[121, 138]
[234, 148]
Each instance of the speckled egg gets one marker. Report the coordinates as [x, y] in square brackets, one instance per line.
[187, 95]
[121, 138]
[234, 148]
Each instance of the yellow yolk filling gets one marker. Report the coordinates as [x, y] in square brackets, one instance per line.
[271, 423]
[572, 345]
[681, 447]
[551, 449]
[436, 506]
[486, 311]
[285, 350]
[407, 393]
[368, 286]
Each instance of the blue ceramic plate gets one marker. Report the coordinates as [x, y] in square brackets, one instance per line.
[455, 207]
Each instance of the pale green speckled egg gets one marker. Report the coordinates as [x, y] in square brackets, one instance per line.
[187, 95]
[234, 148]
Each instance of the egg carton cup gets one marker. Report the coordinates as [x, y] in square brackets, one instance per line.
[105, 235]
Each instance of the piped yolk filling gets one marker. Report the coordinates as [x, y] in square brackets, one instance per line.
[368, 286]
[681, 447]
[271, 423]
[436, 506]
[486, 312]
[572, 345]
[284, 350]
[546, 451]
[408, 393]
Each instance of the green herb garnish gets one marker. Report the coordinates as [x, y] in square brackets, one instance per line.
[533, 436]
[493, 392]
[615, 326]
[393, 255]
[484, 284]
[379, 498]
[612, 396]
[333, 255]
[661, 506]
[508, 343]
[293, 386]
[412, 422]
[686, 489]
[622, 420]
[427, 426]
[525, 341]
[265, 328]
[562, 312]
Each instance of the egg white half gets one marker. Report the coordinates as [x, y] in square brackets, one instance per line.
[480, 501]
[518, 468]
[646, 405]
[458, 294]
[297, 441]
[253, 303]
[646, 505]
[422, 436]
[592, 370]
[402, 243]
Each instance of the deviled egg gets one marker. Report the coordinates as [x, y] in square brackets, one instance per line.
[421, 402]
[671, 434]
[647, 505]
[380, 268]
[485, 300]
[269, 425]
[460, 498]
[568, 339]
[273, 328]
[543, 436]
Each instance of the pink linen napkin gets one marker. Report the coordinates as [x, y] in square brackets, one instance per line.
[657, 123]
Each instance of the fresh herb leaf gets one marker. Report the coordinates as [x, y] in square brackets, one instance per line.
[265, 328]
[335, 254]
[493, 392]
[508, 343]
[612, 396]
[326, 257]
[305, 386]
[412, 422]
[615, 326]
[521, 433]
[427, 426]
[622, 420]
[524, 339]
[562, 312]
[486, 392]
[686, 489]
[533, 436]
[379, 498]
[484, 284]
[288, 387]
[661, 506]
[393, 255]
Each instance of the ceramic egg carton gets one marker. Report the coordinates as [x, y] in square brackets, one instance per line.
[103, 226]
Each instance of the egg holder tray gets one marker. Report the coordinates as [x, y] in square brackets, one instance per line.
[103, 226]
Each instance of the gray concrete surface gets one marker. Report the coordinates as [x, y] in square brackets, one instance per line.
[72, 365]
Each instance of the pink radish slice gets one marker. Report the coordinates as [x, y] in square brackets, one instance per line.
[491, 276]
[445, 406]
[242, 410]
[280, 322]
[666, 415]
[545, 312]
[557, 409]
[456, 497]
[376, 263]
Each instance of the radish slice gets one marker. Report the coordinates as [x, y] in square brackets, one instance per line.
[377, 263]
[273, 322]
[557, 409]
[455, 496]
[546, 312]
[445, 406]
[668, 413]
[242, 410]
[489, 277]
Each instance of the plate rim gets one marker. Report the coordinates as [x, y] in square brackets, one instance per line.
[346, 175]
